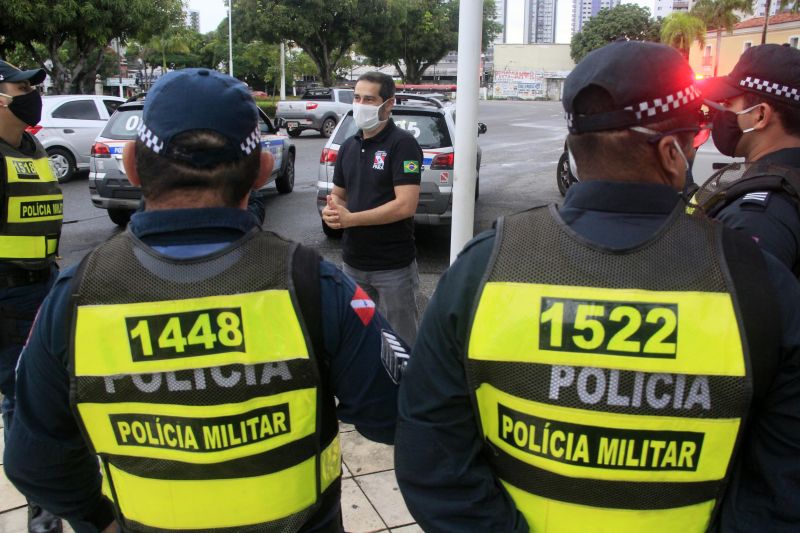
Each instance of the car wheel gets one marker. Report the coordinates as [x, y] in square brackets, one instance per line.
[330, 232]
[328, 125]
[285, 182]
[564, 177]
[120, 217]
[63, 164]
[294, 133]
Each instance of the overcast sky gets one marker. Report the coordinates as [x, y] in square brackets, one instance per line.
[213, 11]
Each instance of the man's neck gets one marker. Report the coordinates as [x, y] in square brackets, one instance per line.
[372, 133]
[11, 134]
[773, 144]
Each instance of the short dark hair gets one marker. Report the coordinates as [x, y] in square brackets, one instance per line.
[161, 175]
[623, 152]
[788, 116]
[386, 82]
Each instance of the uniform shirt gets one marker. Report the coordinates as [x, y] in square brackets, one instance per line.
[369, 170]
[772, 219]
[46, 456]
[439, 455]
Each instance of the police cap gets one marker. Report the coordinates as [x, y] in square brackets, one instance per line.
[770, 71]
[648, 82]
[200, 99]
[10, 73]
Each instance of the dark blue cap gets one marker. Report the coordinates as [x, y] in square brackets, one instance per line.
[10, 73]
[200, 99]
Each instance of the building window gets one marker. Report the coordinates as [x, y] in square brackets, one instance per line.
[793, 41]
[747, 45]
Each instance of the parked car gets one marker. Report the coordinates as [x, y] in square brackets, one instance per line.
[68, 128]
[707, 161]
[109, 187]
[432, 123]
[318, 109]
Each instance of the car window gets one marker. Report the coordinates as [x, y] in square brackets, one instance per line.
[264, 125]
[111, 106]
[430, 131]
[77, 109]
[123, 124]
[346, 130]
[317, 94]
[346, 97]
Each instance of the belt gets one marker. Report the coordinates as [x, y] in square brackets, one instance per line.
[19, 278]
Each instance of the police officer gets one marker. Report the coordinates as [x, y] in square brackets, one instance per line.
[196, 355]
[30, 226]
[757, 116]
[613, 364]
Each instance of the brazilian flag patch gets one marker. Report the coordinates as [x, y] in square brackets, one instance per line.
[410, 167]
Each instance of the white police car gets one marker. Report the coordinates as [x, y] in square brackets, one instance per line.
[109, 187]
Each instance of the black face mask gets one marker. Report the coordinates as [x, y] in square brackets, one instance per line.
[726, 132]
[27, 107]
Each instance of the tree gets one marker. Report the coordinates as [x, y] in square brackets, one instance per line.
[324, 29]
[416, 34]
[681, 30]
[68, 38]
[625, 21]
[719, 15]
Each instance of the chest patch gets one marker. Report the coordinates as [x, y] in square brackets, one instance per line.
[380, 160]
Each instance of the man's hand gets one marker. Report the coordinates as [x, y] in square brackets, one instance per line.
[336, 215]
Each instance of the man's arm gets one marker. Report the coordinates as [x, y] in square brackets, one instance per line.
[439, 454]
[403, 206]
[364, 355]
[46, 457]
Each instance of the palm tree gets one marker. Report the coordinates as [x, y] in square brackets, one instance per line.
[174, 40]
[680, 30]
[721, 14]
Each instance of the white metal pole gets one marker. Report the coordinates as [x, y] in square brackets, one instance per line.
[230, 38]
[283, 71]
[470, 18]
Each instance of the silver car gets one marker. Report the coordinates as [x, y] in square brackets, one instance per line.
[69, 126]
[110, 189]
[432, 122]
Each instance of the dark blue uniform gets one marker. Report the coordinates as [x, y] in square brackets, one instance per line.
[439, 455]
[46, 455]
[772, 219]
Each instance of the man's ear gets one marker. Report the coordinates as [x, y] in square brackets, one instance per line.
[266, 163]
[765, 116]
[673, 165]
[129, 162]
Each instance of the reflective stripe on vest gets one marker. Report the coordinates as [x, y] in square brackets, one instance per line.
[33, 206]
[607, 408]
[204, 410]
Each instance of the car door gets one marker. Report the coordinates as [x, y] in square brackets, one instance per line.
[80, 121]
[272, 141]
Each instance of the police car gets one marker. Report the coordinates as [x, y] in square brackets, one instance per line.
[109, 187]
[432, 122]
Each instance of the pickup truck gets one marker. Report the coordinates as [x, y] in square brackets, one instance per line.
[319, 109]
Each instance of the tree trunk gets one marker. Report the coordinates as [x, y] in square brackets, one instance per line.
[766, 22]
[716, 54]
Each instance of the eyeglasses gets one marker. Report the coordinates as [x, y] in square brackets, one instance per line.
[701, 132]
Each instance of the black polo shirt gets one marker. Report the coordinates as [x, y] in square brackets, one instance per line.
[369, 170]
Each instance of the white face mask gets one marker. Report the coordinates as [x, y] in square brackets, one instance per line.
[367, 116]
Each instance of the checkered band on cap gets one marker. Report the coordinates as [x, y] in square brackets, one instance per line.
[251, 142]
[665, 104]
[771, 88]
[149, 138]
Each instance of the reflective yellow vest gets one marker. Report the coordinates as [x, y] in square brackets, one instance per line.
[196, 385]
[33, 208]
[611, 386]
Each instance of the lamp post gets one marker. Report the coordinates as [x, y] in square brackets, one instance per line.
[230, 38]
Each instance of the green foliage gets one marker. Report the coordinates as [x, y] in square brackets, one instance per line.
[413, 35]
[74, 35]
[681, 30]
[625, 21]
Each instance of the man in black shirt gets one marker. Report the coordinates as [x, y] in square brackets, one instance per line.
[374, 198]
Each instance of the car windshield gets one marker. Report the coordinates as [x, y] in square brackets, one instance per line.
[123, 124]
[429, 130]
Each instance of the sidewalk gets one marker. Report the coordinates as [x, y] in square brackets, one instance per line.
[371, 501]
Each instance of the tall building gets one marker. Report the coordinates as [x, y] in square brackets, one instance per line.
[500, 18]
[760, 8]
[586, 9]
[540, 22]
[193, 20]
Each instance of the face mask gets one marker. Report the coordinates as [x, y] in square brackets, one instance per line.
[726, 132]
[367, 116]
[27, 107]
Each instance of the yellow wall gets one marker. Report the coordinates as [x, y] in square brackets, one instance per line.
[732, 46]
[546, 57]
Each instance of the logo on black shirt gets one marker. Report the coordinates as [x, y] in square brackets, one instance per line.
[380, 159]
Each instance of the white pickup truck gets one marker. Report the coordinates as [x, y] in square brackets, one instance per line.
[319, 109]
